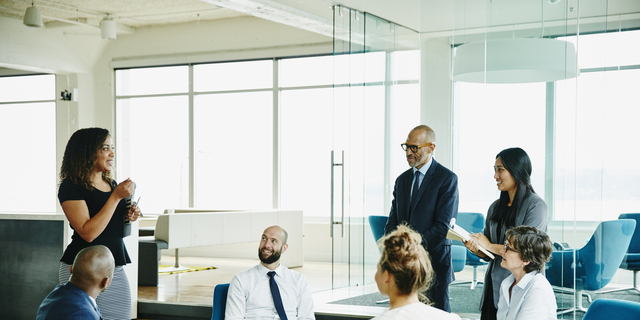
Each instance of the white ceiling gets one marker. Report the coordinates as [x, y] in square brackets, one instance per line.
[428, 16]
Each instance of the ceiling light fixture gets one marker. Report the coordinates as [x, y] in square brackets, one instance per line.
[32, 17]
[108, 28]
[522, 60]
[515, 60]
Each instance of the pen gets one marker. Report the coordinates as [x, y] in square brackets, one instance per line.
[137, 203]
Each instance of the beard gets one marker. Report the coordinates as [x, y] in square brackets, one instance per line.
[275, 256]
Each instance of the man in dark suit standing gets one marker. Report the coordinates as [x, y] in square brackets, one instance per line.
[91, 274]
[426, 198]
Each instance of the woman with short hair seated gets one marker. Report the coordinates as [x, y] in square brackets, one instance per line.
[526, 293]
[404, 273]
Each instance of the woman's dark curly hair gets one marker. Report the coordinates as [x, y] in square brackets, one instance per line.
[406, 259]
[81, 154]
[534, 246]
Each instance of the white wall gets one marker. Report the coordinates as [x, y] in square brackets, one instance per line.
[48, 50]
[435, 95]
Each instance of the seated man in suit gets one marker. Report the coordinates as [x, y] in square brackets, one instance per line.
[270, 289]
[91, 274]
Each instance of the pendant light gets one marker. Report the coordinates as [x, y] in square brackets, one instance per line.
[108, 28]
[519, 60]
[515, 60]
[32, 17]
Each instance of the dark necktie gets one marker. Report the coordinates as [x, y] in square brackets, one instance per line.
[416, 186]
[277, 300]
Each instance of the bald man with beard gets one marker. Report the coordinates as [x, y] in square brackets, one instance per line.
[91, 274]
[251, 292]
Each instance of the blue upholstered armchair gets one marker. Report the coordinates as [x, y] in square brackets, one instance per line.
[609, 308]
[378, 223]
[473, 222]
[595, 264]
[219, 301]
[631, 260]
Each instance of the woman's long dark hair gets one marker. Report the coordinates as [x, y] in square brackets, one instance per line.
[517, 162]
[81, 154]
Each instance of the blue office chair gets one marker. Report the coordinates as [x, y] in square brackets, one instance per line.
[458, 258]
[473, 222]
[219, 301]
[610, 308]
[595, 264]
[631, 260]
[458, 255]
[377, 224]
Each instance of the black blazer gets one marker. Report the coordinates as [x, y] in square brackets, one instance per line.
[429, 214]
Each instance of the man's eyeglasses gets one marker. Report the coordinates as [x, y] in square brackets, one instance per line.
[507, 248]
[413, 148]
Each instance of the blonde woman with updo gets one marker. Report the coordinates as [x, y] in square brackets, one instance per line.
[404, 274]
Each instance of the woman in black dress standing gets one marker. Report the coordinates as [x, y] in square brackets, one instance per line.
[93, 203]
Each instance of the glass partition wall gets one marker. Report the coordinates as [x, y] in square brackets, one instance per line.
[360, 103]
[376, 89]
[573, 114]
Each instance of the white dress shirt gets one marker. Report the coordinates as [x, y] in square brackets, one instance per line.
[250, 297]
[416, 311]
[531, 299]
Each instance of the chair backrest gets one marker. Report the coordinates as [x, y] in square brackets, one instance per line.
[600, 258]
[219, 301]
[634, 245]
[608, 308]
[458, 258]
[473, 222]
[377, 224]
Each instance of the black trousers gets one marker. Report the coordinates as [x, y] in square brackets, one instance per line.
[439, 295]
[489, 311]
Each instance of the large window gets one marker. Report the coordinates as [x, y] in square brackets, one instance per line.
[234, 150]
[209, 147]
[242, 137]
[597, 176]
[152, 127]
[580, 140]
[490, 118]
[28, 131]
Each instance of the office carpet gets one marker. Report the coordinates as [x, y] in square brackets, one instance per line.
[464, 300]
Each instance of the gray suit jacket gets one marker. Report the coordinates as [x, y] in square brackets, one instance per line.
[533, 212]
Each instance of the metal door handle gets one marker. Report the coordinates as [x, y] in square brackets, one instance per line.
[333, 165]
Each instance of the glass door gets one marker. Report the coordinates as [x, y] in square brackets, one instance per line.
[366, 97]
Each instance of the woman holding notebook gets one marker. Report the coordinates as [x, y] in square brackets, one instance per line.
[518, 205]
